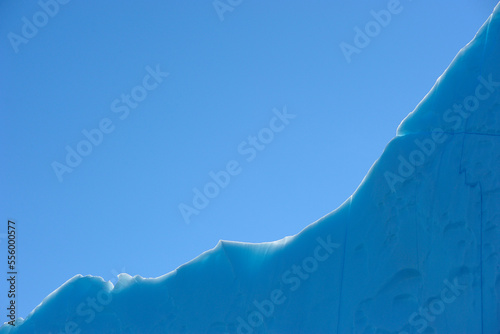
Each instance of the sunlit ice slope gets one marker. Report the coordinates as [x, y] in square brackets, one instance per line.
[414, 250]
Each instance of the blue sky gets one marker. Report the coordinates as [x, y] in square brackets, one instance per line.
[232, 74]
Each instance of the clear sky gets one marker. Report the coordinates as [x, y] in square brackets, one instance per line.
[260, 90]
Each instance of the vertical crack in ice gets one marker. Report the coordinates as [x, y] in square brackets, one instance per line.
[485, 44]
[343, 265]
[418, 250]
[481, 251]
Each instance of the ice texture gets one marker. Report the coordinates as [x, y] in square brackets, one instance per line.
[416, 249]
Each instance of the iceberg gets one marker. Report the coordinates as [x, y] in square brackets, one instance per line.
[416, 248]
